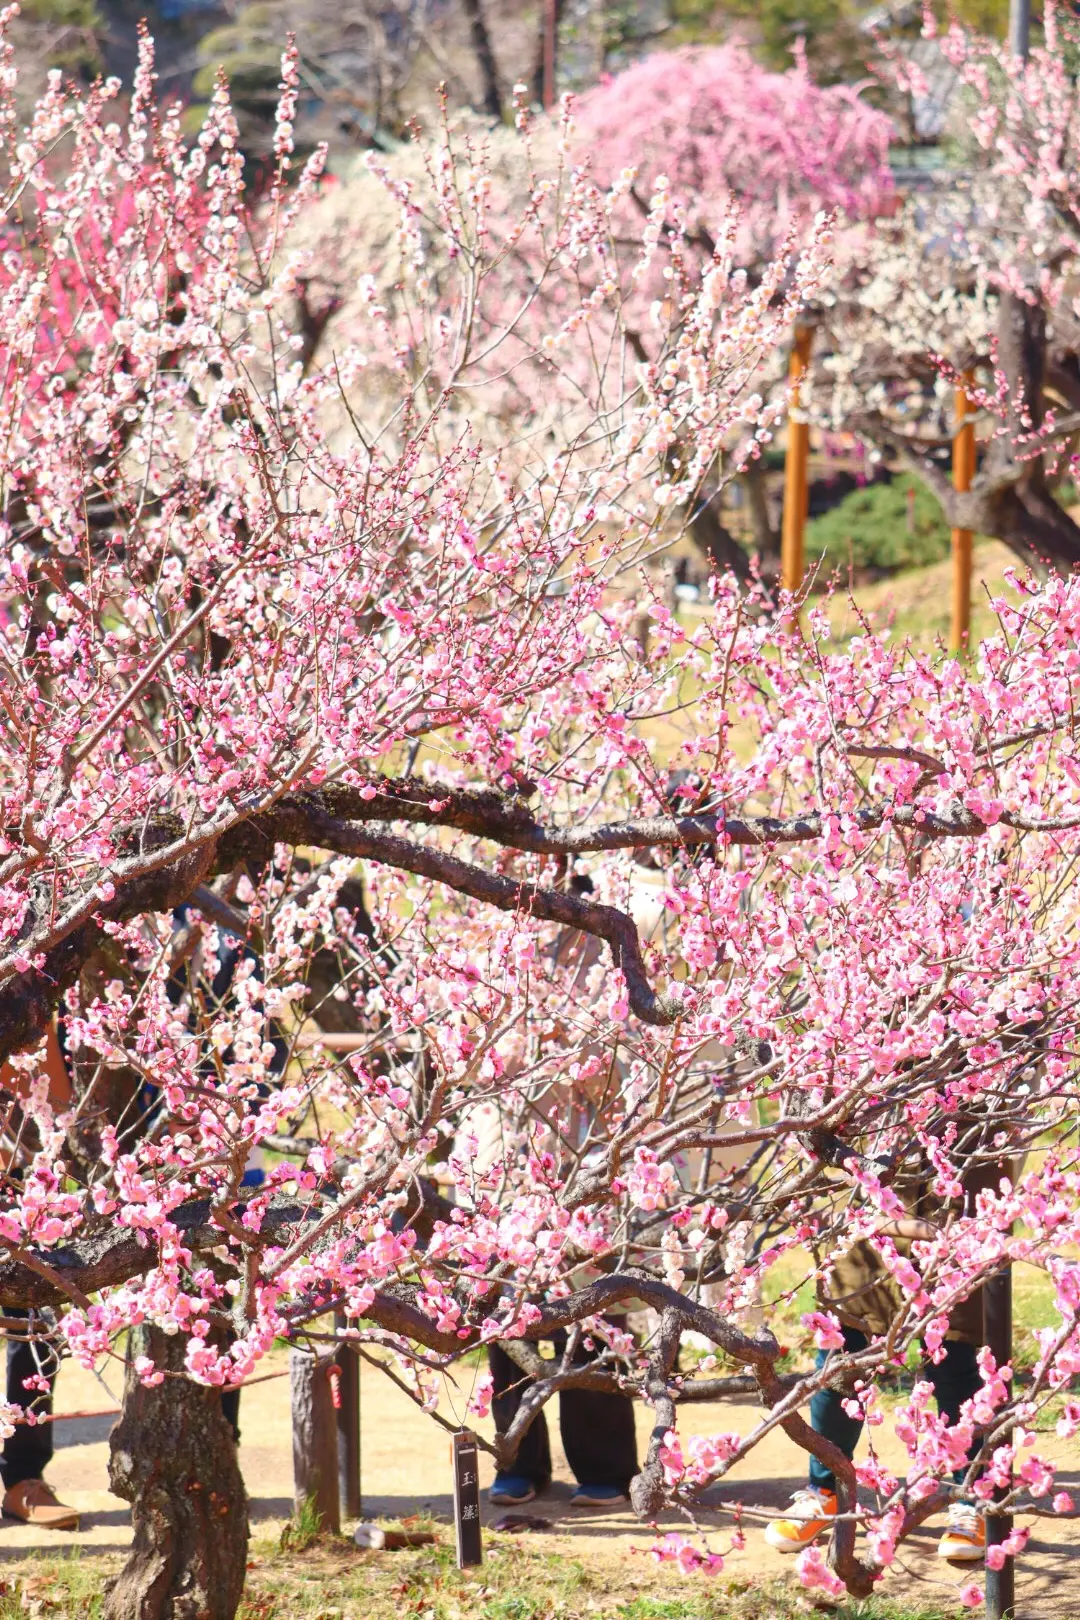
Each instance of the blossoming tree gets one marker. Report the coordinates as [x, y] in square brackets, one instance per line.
[750, 158]
[975, 277]
[314, 649]
[973, 274]
[775, 148]
[724, 130]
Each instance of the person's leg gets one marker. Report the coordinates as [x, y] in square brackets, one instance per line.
[828, 1418]
[28, 1451]
[230, 1411]
[598, 1437]
[814, 1507]
[956, 1379]
[533, 1461]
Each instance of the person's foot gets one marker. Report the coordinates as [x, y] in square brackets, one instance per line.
[510, 1490]
[34, 1503]
[598, 1496]
[812, 1510]
[964, 1541]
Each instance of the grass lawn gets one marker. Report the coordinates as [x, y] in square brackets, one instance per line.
[917, 601]
[331, 1580]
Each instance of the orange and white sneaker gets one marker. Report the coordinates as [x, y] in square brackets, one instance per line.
[964, 1541]
[812, 1511]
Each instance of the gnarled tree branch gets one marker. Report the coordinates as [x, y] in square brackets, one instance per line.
[166, 864]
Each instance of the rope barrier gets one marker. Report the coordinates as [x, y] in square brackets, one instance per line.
[114, 1411]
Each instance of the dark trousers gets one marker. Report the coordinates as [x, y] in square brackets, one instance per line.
[955, 1380]
[230, 1411]
[28, 1452]
[597, 1429]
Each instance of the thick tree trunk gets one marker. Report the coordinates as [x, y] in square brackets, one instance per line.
[1018, 505]
[766, 532]
[315, 1437]
[485, 57]
[1022, 355]
[1029, 520]
[173, 1458]
[715, 539]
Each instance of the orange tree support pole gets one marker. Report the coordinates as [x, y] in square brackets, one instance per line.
[796, 489]
[963, 464]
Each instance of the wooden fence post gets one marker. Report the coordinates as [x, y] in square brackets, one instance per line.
[315, 1436]
[963, 461]
[796, 487]
[348, 1427]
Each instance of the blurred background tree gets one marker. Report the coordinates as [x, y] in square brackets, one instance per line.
[370, 65]
[64, 34]
[828, 29]
[357, 58]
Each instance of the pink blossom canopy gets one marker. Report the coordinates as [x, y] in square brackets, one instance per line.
[722, 127]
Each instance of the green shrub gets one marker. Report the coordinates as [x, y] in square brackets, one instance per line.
[871, 529]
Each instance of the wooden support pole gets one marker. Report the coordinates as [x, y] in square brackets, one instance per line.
[551, 32]
[796, 487]
[963, 460]
[315, 1437]
[348, 1427]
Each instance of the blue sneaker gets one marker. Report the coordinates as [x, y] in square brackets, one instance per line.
[598, 1496]
[510, 1490]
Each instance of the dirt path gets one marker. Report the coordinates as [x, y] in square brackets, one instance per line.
[405, 1468]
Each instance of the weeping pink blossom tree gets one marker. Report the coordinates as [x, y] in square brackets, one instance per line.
[725, 131]
[322, 654]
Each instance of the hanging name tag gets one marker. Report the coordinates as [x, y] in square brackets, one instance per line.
[464, 1458]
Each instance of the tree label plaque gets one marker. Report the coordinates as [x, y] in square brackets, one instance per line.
[466, 1499]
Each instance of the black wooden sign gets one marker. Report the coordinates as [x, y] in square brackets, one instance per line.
[466, 1499]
